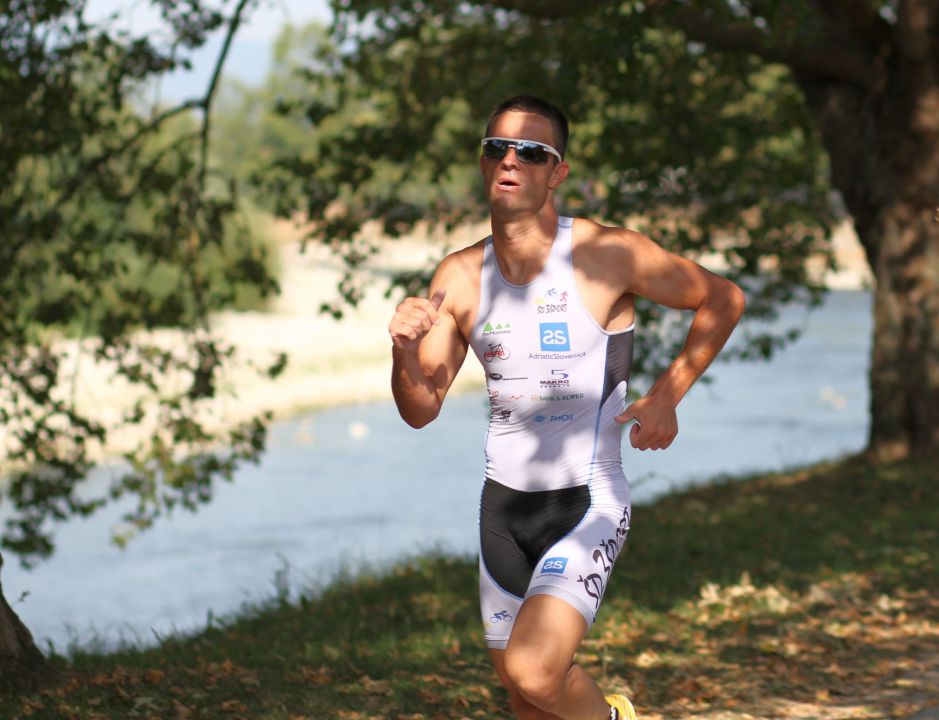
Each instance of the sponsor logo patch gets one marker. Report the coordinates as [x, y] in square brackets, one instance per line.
[554, 418]
[500, 376]
[556, 398]
[554, 336]
[553, 301]
[558, 379]
[497, 329]
[555, 565]
[496, 351]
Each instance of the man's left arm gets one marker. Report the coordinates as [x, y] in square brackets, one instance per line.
[678, 283]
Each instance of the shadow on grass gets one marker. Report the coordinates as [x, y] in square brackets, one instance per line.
[768, 596]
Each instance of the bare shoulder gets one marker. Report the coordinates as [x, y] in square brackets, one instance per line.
[460, 269]
[591, 234]
[459, 274]
[598, 248]
[462, 263]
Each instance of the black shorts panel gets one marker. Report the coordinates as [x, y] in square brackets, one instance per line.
[517, 527]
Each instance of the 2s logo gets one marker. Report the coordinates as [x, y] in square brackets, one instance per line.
[555, 336]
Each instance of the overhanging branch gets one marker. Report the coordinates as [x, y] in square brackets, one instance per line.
[837, 62]
[840, 62]
[213, 85]
[860, 15]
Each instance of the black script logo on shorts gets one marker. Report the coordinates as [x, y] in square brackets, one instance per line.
[558, 379]
[605, 557]
[553, 301]
[497, 329]
[496, 351]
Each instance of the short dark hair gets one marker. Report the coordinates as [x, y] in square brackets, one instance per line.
[538, 106]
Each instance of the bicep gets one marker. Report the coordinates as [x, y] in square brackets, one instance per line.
[666, 278]
[443, 349]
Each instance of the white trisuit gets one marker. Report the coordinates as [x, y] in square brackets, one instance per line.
[555, 505]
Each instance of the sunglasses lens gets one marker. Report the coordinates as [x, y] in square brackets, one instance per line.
[495, 149]
[531, 153]
[527, 152]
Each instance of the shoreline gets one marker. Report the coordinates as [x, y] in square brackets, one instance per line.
[330, 362]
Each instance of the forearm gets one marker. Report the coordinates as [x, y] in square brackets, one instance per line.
[712, 325]
[415, 392]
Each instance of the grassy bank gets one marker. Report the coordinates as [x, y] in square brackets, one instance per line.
[805, 594]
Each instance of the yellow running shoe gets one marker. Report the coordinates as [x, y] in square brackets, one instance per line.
[624, 708]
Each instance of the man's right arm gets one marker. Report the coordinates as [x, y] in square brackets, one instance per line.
[427, 352]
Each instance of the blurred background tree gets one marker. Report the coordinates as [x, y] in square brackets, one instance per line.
[114, 222]
[735, 131]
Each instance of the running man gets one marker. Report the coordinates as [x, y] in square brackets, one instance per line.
[547, 305]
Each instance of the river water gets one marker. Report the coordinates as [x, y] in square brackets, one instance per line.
[354, 487]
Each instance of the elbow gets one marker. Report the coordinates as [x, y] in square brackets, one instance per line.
[736, 301]
[417, 423]
[417, 420]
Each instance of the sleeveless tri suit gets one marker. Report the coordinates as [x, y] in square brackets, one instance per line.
[555, 508]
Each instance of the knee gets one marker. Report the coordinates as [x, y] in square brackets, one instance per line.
[535, 679]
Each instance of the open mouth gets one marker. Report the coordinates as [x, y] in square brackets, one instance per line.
[508, 183]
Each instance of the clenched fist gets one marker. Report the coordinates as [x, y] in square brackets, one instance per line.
[413, 319]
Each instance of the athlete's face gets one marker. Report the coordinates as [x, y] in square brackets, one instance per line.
[514, 187]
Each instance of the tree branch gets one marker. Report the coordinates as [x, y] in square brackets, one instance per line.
[859, 14]
[842, 62]
[81, 176]
[736, 36]
[213, 85]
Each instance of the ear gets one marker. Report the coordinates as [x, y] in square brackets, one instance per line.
[558, 175]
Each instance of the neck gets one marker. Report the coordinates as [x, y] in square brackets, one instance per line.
[522, 244]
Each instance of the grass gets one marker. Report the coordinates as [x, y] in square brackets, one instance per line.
[813, 593]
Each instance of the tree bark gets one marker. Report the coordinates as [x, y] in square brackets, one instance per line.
[22, 666]
[883, 144]
[904, 375]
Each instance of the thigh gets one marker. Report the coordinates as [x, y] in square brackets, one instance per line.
[577, 568]
[547, 633]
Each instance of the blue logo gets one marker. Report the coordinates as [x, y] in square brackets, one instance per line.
[501, 616]
[539, 418]
[554, 336]
[554, 565]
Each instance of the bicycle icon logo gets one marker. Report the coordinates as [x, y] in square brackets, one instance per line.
[502, 615]
[496, 352]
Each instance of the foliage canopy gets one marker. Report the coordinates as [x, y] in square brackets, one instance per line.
[114, 222]
[713, 155]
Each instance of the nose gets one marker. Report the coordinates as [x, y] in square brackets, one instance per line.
[510, 154]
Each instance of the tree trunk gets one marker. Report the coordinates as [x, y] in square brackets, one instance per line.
[22, 666]
[883, 144]
[904, 376]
